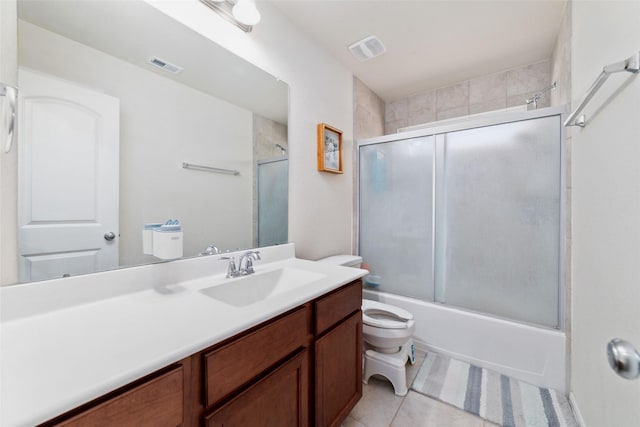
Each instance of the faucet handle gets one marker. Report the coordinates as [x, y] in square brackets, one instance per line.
[231, 270]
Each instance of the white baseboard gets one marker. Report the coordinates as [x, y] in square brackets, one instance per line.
[576, 411]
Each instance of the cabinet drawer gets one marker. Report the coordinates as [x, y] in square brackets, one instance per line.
[336, 306]
[157, 402]
[233, 365]
[281, 399]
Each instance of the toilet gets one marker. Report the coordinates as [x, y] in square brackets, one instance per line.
[387, 332]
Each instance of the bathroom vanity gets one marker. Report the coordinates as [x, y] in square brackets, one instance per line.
[292, 358]
[274, 371]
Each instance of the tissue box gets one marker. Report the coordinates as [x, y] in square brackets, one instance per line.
[147, 237]
[167, 242]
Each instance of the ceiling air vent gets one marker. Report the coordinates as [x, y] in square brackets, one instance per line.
[166, 66]
[367, 48]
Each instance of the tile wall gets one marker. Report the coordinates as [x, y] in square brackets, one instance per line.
[368, 111]
[507, 88]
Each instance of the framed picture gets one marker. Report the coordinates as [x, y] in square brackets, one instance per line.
[329, 149]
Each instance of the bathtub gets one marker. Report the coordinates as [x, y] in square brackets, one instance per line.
[531, 354]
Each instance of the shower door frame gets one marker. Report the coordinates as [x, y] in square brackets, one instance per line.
[437, 130]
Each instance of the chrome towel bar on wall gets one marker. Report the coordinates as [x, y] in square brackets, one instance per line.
[11, 93]
[186, 165]
[631, 65]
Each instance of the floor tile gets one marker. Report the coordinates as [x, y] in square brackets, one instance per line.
[378, 405]
[421, 411]
[351, 422]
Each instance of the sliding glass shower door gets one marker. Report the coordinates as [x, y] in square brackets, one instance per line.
[469, 218]
[498, 220]
[396, 233]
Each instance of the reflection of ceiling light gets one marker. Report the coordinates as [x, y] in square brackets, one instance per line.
[246, 12]
[241, 13]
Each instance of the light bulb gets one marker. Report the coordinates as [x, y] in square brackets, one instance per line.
[246, 12]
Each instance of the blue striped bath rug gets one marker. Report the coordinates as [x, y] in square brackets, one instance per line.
[490, 395]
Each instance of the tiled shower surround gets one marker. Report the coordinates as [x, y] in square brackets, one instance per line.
[507, 88]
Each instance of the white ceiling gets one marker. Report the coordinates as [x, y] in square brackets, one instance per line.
[430, 44]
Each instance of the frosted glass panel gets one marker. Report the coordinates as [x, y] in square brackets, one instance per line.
[273, 206]
[498, 220]
[396, 191]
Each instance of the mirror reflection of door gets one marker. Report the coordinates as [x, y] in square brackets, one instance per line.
[68, 178]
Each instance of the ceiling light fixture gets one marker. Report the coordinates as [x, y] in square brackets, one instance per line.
[241, 13]
[246, 12]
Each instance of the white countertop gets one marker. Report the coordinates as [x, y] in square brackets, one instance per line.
[56, 360]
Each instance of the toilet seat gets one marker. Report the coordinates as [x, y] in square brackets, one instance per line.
[385, 316]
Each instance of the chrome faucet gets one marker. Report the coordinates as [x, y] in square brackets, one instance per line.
[248, 258]
[211, 250]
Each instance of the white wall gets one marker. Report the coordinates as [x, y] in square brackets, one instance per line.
[606, 212]
[213, 208]
[8, 162]
[320, 207]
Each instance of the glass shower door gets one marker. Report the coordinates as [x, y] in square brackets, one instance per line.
[273, 202]
[396, 215]
[498, 220]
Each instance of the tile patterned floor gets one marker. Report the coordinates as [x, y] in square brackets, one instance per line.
[380, 407]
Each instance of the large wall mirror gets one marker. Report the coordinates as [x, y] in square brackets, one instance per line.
[114, 98]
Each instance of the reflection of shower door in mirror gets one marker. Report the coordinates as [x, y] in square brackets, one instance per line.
[68, 178]
[273, 206]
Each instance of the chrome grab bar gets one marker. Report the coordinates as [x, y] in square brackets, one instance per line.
[631, 65]
[11, 93]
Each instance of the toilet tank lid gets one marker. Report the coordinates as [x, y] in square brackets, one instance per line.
[346, 260]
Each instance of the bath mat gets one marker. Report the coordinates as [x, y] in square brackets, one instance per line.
[491, 395]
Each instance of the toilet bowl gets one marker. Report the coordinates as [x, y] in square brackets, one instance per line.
[386, 327]
[387, 331]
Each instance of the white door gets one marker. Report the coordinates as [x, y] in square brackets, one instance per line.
[68, 178]
[606, 212]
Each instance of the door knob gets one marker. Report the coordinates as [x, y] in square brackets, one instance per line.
[624, 359]
[109, 236]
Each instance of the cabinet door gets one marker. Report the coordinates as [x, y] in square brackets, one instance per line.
[338, 373]
[281, 399]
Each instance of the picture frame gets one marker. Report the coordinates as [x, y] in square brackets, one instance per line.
[329, 149]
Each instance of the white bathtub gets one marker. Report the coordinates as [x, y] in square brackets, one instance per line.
[531, 354]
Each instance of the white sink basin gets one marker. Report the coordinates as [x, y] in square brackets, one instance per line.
[259, 286]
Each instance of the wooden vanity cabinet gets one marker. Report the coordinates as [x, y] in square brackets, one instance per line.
[261, 377]
[338, 355]
[301, 368]
[233, 365]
